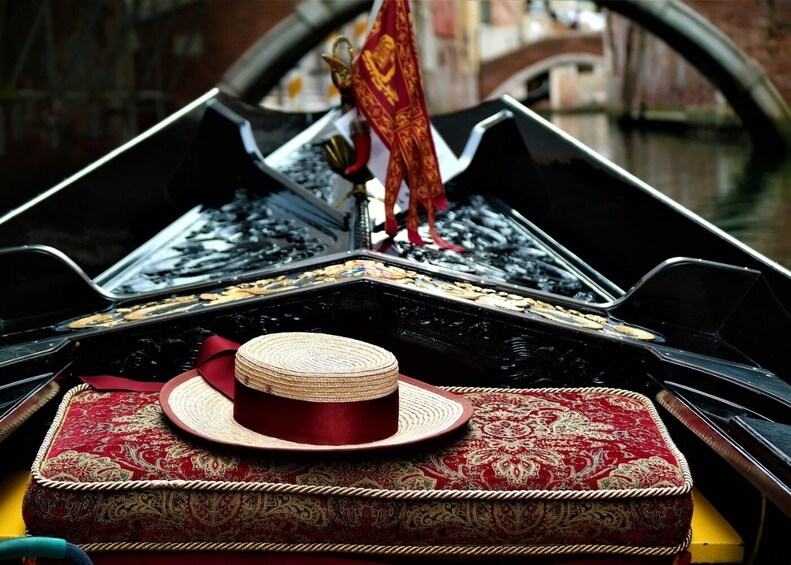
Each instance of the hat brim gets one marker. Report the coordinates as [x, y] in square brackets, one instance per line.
[196, 407]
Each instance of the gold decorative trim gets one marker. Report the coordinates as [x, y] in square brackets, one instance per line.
[429, 550]
[365, 268]
[28, 408]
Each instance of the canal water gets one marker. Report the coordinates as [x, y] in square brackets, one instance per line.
[714, 176]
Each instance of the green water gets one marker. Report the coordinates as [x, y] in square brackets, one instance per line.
[715, 178]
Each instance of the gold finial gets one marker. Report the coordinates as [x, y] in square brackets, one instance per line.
[340, 62]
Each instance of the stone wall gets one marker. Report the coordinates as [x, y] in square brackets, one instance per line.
[68, 102]
[229, 29]
[648, 76]
[761, 28]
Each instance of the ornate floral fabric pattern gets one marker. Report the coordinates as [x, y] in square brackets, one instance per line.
[535, 471]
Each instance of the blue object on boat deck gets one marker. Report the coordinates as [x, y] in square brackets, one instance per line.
[53, 548]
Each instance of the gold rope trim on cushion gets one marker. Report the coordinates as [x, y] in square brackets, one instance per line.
[226, 486]
[436, 550]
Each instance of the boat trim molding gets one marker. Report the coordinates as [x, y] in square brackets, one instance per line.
[370, 269]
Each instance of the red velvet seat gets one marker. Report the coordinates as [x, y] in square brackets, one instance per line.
[545, 472]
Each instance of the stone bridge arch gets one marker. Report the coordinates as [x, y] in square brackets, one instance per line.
[541, 67]
[537, 57]
[743, 82]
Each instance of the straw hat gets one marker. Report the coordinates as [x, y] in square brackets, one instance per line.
[299, 391]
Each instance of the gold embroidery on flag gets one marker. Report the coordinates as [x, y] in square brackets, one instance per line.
[381, 64]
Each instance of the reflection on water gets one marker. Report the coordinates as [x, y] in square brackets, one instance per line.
[717, 179]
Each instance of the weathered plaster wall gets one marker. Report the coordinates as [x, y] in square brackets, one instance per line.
[649, 75]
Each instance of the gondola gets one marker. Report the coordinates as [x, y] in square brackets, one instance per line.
[227, 219]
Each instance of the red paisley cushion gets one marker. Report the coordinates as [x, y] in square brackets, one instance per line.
[536, 472]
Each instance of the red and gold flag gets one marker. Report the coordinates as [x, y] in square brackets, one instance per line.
[388, 92]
